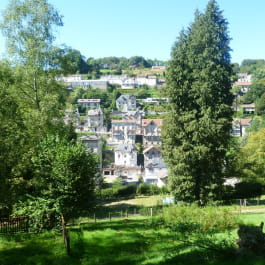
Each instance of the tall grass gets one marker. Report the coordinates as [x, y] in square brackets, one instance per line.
[204, 219]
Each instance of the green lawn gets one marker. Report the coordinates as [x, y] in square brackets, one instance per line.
[121, 242]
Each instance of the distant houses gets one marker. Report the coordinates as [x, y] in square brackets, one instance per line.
[134, 141]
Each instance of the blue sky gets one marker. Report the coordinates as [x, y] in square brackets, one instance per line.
[101, 28]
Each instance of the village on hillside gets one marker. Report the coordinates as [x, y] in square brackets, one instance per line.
[130, 149]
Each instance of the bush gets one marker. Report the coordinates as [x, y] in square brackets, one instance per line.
[127, 190]
[143, 189]
[191, 219]
[107, 194]
[147, 189]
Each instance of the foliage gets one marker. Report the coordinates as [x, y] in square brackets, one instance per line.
[194, 219]
[256, 124]
[196, 131]
[260, 106]
[251, 158]
[63, 180]
[29, 30]
[33, 101]
[147, 189]
[246, 190]
[256, 89]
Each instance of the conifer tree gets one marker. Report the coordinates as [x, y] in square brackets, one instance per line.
[196, 131]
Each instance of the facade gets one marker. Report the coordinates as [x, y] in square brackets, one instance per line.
[124, 131]
[128, 175]
[125, 155]
[95, 120]
[126, 102]
[151, 130]
[91, 103]
[77, 81]
[93, 144]
[239, 126]
[244, 81]
[248, 108]
[155, 170]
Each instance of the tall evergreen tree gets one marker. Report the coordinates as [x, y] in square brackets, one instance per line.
[196, 131]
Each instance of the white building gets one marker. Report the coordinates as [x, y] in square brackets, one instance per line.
[125, 155]
[155, 170]
[151, 129]
[124, 131]
[128, 175]
[77, 81]
[149, 81]
[126, 102]
[239, 126]
[95, 120]
[91, 103]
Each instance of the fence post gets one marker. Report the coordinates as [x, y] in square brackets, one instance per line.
[127, 213]
[151, 211]
[109, 216]
[121, 214]
[134, 211]
[95, 219]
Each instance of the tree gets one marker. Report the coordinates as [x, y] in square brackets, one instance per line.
[64, 175]
[70, 61]
[34, 99]
[252, 158]
[256, 89]
[13, 137]
[196, 131]
[261, 105]
[29, 27]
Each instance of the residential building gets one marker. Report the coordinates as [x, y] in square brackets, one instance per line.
[126, 102]
[125, 155]
[77, 81]
[248, 108]
[151, 130]
[128, 175]
[95, 120]
[244, 81]
[91, 103]
[144, 80]
[124, 131]
[92, 143]
[155, 101]
[155, 170]
[239, 126]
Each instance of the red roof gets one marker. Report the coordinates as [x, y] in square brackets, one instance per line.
[146, 122]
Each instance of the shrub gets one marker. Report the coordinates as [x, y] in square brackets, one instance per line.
[107, 194]
[143, 189]
[126, 190]
[147, 189]
[194, 219]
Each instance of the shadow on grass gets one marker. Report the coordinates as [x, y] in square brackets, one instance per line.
[120, 242]
[34, 249]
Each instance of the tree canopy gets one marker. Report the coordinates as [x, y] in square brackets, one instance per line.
[196, 131]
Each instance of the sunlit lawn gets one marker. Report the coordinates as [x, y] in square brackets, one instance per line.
[120, 242]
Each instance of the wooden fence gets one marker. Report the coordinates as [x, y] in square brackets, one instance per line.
[14, 225]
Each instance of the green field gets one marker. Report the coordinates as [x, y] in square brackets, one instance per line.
[129, 241]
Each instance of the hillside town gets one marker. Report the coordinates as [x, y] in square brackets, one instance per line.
[133, 141]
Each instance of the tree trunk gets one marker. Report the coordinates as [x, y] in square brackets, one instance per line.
[65, 236]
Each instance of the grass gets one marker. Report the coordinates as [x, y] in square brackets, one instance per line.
[133, 241]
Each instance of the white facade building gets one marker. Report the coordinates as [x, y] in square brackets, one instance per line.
[125, 155]
[126, 102]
